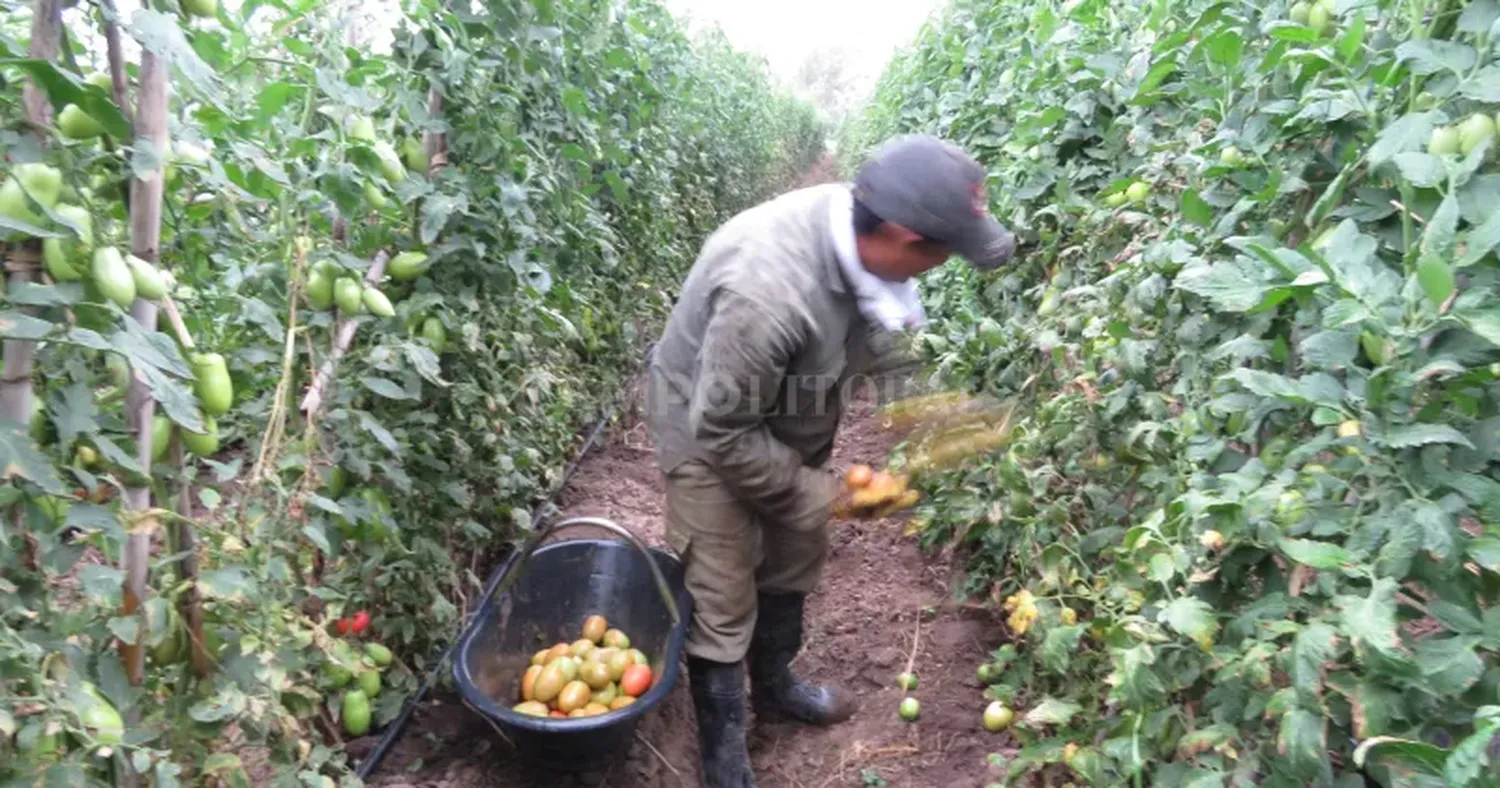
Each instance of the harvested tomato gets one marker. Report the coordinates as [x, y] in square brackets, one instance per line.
[636, 681]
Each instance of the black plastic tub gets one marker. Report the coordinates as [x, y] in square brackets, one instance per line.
[543, 597]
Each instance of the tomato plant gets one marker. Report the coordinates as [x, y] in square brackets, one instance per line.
[1247, 518]
[396, 275]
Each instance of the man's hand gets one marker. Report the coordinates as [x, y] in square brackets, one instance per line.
[871, 494]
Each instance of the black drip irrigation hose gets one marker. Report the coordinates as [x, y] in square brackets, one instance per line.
[392, 734]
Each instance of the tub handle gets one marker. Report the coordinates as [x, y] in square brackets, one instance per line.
[537, 536]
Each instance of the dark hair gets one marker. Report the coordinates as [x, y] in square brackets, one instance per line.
[865, 220]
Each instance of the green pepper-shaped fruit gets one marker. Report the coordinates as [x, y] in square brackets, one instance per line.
[214, 389]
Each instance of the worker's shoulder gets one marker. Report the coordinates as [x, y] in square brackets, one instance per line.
[798, 214]
[780, 244]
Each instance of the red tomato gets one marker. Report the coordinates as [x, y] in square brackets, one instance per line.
[342, 625]
[636, 680]
[361, 621]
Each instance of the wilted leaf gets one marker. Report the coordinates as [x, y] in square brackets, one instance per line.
[1051, 711]
[1191, 617]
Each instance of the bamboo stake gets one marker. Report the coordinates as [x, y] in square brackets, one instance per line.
[15, 381]
[435, 143]
[145, 242]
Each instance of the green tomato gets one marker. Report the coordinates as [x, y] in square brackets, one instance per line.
[1231, 156]
[1138, 192]
[42, 181]
[1473, 131]
[1444, 141]
[997, 716]
[910, 709]
[75, 124]
[201, 8]
[1319, 19]
[1299, 12]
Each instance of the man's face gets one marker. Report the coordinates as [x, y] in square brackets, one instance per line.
[895, 254]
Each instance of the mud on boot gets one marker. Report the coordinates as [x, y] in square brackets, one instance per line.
[718, 691]
[774, 689]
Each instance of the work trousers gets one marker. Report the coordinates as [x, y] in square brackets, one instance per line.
[729, 553]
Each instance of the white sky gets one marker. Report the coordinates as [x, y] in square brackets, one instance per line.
[786, 31]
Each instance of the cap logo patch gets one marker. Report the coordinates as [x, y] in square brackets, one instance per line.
[977, 198]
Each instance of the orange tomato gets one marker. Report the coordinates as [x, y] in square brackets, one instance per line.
[636, 681]
[528, 682]
[858, 476]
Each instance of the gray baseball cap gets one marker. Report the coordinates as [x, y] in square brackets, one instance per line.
[933, 188]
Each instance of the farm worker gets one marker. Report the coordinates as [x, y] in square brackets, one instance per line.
[786, 304]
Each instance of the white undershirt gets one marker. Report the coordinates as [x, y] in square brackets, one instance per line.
[893, 305]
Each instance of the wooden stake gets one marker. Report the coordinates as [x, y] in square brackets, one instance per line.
[145, 242]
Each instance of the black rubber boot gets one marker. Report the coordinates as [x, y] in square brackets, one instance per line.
[718, 691]
[775, 690]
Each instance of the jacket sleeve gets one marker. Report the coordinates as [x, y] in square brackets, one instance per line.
[742, 365]
[893, 365]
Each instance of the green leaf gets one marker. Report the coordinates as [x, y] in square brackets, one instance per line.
[1408, 133]
[21, 459]
[1300, 740]
[1436, 279]
[63, 88]
[1314, 389]
[1191, 617]
[1412, 435]
[160, 33]
[379, 432]
[1232, 285]
[1353, 37]
[1485, 551]
[1051, 711]
[1470, 759]
[1318, 555]
[256, 312]
[1479, 16]
[1481, 240]
[222, 705]
[576, 101]
[386, 388]
[1314, 645]
[1195, 210]
[104, 584]
[1371, 620]
[1441, 228]
[127, 629]
[1330, 350]
[1404, 754]
[1449, 665]
[1484, 85]
[1420, 169]
[228, 582]
[1434, 56]
[15, 325]
[316, 534]
[1060, 648]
